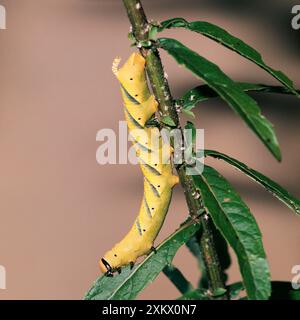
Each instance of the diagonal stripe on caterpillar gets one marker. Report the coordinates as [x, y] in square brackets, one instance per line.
[159, 180]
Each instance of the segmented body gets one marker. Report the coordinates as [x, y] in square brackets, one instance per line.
[153, 155]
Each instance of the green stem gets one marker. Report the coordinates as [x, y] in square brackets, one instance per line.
[161, 90]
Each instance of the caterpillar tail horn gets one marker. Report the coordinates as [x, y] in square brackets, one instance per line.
[115, 65]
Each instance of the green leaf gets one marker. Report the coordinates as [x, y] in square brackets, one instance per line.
[188, 113]
[273, 187]
[131, 37]
[153, 29]
[235, 289]
[144, 44]
[190, 140]
[202, 93]
[168, 121]
[220, 35]
[227, 89]
[178, 279]
[237, 225]
[173, 23]
[198, 294]
[283, 291]
[203, 294]
[219, 292]
[128, 284]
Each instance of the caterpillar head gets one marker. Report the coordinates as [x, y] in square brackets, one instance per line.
[105, 267]
[132, 78]
[112, 261]
[108, 264]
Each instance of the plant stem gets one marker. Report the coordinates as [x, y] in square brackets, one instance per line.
[161, 90]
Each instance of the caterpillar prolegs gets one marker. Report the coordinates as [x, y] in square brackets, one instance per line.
[152, 153]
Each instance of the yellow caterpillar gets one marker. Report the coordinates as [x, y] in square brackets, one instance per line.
[152, 153]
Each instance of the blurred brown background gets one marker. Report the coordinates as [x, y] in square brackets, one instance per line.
[60, 210]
